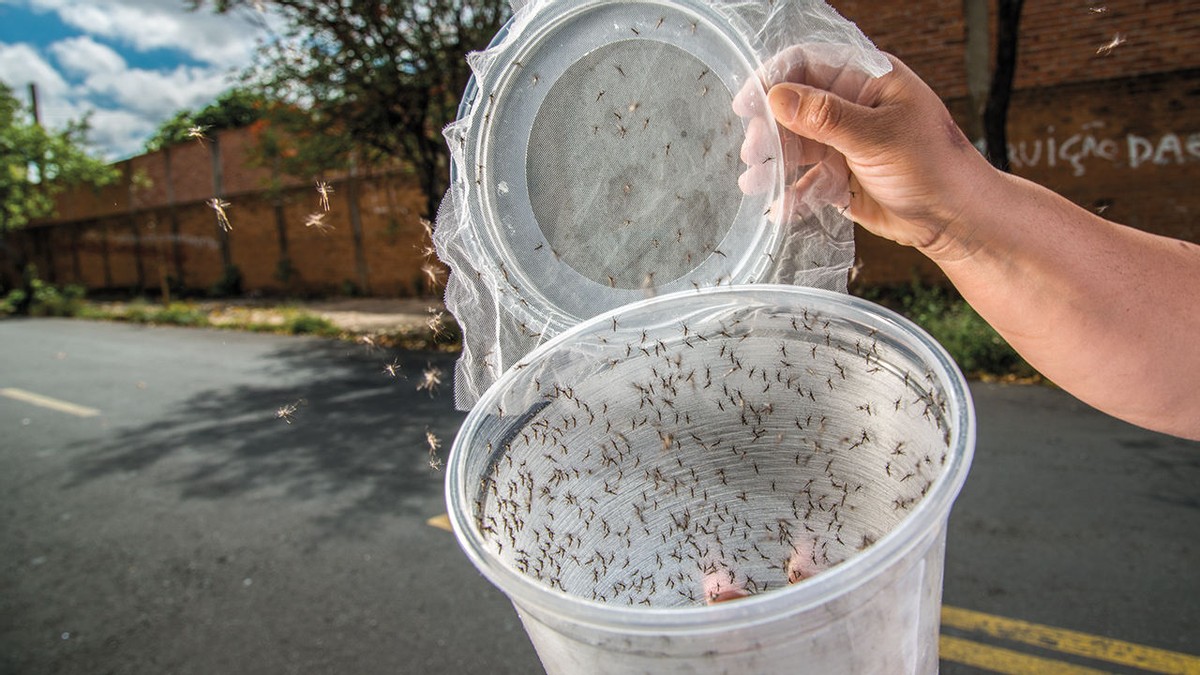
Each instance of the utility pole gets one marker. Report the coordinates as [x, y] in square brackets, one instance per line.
[978, 53]
[37, 120]
[995, 113]
[33, 103]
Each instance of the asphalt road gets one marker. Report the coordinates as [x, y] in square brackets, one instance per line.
[187, 528]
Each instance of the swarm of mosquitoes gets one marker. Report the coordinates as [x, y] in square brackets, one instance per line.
[712, 463]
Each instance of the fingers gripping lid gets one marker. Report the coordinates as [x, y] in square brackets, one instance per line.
[608, 150]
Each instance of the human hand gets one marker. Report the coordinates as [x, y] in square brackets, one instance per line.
[886, 147]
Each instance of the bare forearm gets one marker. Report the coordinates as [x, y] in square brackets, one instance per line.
[1109, 313]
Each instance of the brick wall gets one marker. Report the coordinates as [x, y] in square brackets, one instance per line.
[156, 224]
[1115, 131]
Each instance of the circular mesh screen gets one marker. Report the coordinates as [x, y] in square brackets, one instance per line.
[638, 140]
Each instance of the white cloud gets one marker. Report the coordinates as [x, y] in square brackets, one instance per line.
[91, 72]
[224, 40]
[21, 64]
[160, 93]
[120, 132]
[84, 56]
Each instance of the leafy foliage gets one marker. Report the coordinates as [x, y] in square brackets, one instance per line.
[236, 108]
[371, 79]
[37, 164]
[42, 299]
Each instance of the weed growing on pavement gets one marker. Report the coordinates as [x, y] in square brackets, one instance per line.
[302, 323]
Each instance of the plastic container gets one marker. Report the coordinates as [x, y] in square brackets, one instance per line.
[799, 447]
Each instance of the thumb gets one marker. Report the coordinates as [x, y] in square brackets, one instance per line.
[819, 115]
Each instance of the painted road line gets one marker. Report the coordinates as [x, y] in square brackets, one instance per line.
[1008, 662]
[1004, 661]
[1071, 642]
[47, 402]
[441, 522]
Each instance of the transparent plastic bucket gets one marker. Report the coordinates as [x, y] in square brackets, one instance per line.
[797, 447]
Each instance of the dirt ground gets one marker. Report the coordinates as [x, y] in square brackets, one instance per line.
[376, 315]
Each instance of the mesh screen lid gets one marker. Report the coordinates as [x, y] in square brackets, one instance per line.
[596, 161]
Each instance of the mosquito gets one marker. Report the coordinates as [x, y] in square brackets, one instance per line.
[431, 379]
[287, 412]
[323, 190]
[436, 322]
[433, 273]
[197, 132]
[317, 222]
[1116, 41]
[434, 443]
[217, 204]
[392, 369]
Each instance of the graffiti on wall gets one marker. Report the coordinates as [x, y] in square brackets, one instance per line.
[1090, 144]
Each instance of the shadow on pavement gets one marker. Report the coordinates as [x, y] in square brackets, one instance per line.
[356, 439]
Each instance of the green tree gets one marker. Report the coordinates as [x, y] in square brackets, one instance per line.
[373, 79]
[236, 108]
[35, 166]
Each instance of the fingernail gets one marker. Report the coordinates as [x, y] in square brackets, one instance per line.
[784, 103]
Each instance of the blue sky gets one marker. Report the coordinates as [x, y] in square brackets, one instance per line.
[130, 63]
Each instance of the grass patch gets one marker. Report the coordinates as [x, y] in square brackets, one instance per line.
[977, 348]
[173, 314]
[43, 299]
[302, 323]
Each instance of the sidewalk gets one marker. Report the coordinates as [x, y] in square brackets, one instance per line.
[352, 316]
[377, 315]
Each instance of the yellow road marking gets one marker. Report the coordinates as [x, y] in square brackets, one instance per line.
[47, 402]
[1004, 661]
[1071, 642]
[441, 522]
[1008, 662]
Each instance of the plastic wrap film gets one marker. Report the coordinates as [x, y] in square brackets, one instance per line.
[609, 151]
